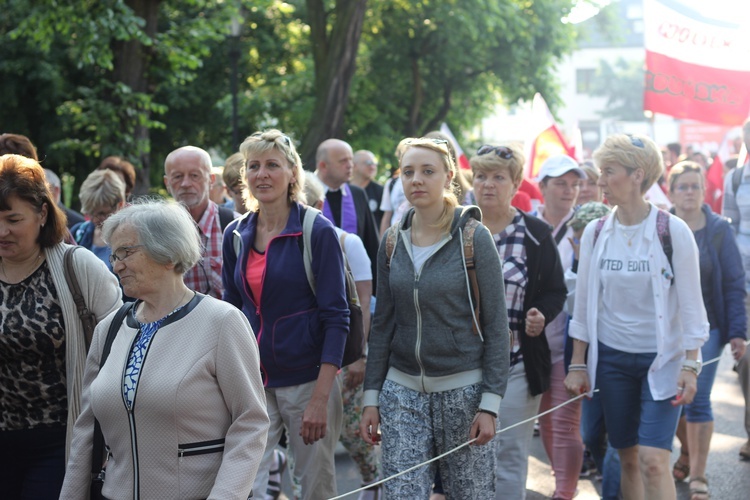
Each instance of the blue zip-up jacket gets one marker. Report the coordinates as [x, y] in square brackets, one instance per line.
[728, 277]
[296, 330]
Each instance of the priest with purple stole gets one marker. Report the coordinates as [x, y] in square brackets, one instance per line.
[346, 205]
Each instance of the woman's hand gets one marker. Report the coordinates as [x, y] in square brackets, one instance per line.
[314, 420]
[482, 428]
[738, 348]
[534, 322]
[577, 383]
[687, 386]
[355, 374]
[368, 426]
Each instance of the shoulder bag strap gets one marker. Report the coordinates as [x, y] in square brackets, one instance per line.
[468, 236]
[88, 318]
[98, 446]
[307, 229]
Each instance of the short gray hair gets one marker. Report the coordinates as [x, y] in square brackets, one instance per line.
[165, 229]
[102, 188]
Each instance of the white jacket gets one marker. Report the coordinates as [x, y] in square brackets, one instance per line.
[682, 323]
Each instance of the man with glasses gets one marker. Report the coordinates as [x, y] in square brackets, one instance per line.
[188, 178]
[346, 205]
[363, 175]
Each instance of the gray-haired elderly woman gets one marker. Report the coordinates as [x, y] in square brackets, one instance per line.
[180, 399]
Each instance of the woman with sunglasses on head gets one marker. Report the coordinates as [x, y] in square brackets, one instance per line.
[301, 333]
[179, 400]
[102, 194]
[723, 289]
[639, 321]
[436, 366]
[534, 295]
[42, 339]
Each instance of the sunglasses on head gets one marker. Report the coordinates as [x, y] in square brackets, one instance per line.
[503, 152]
[636, 141]
[284, 138]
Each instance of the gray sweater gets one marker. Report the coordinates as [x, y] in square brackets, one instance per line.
[422, 329]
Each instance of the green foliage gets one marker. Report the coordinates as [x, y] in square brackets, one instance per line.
[622, 84]
[67, 81]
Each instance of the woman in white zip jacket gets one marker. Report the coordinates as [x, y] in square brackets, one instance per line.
[180, 399]
[639, 320]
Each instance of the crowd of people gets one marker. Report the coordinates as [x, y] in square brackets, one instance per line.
[220, 356]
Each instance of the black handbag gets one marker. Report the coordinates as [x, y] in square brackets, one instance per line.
[99, 459]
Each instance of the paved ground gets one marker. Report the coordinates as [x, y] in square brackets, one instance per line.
[729, 477]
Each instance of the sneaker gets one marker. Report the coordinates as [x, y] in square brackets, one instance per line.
[745, 451]
[273, 490]
[588, 467]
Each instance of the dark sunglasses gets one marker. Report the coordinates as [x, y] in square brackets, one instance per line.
[501, 151]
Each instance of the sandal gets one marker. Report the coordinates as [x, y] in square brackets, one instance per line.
[681, 470]
[700, 493]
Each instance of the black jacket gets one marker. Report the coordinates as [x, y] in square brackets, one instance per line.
[546, 291]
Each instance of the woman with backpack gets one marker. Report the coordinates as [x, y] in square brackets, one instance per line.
[723, 288]
[301, 333]
[438, 351]
[639, 321]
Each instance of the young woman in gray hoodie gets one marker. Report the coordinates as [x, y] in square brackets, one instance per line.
[436, 371]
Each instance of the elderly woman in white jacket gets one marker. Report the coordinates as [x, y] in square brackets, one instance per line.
[639, 320]
[180, 399]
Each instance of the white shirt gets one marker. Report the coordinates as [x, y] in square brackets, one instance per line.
[627, 321]
[394, 200]
[681, 322]
[356, 254]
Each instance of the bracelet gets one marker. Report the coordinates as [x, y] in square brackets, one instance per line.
[576, 369]
[690, 369]
[488, 412]
[577, 366]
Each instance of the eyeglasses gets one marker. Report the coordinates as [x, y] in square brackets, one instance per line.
[684, 188]
[636, 141]
[501, 151]
[122, 253]
[236, 189]
[203, 278]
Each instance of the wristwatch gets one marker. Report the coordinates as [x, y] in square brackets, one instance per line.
[693, 365]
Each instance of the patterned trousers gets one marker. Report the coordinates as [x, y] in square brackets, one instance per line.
[417, 427]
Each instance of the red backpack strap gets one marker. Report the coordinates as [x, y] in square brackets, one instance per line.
[599, 226]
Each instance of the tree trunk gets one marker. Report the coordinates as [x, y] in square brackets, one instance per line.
[131, 64]
[335, 56]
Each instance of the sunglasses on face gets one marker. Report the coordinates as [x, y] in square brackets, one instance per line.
[501, 151]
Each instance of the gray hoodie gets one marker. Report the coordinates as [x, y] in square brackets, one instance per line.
[422, 334]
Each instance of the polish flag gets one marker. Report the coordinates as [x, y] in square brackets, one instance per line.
[546, 138]
[463, 161]
[697, 65]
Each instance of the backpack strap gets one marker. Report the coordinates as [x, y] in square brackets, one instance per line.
[737, 178]
[88, 318]
[599, 226]
[469, 265]
[391, 238]
[225, 217]
[665, 237]
[308, 221]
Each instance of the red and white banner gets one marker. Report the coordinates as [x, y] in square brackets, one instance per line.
[696, 67]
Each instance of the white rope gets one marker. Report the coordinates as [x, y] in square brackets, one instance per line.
[378, 483]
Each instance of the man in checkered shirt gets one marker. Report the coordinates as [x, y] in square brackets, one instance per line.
[188, 177]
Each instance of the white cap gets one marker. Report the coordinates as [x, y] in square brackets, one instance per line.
[559, 165]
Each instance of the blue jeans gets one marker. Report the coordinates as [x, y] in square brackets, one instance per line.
[594, 434]
[632, 415]
[699, 410]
